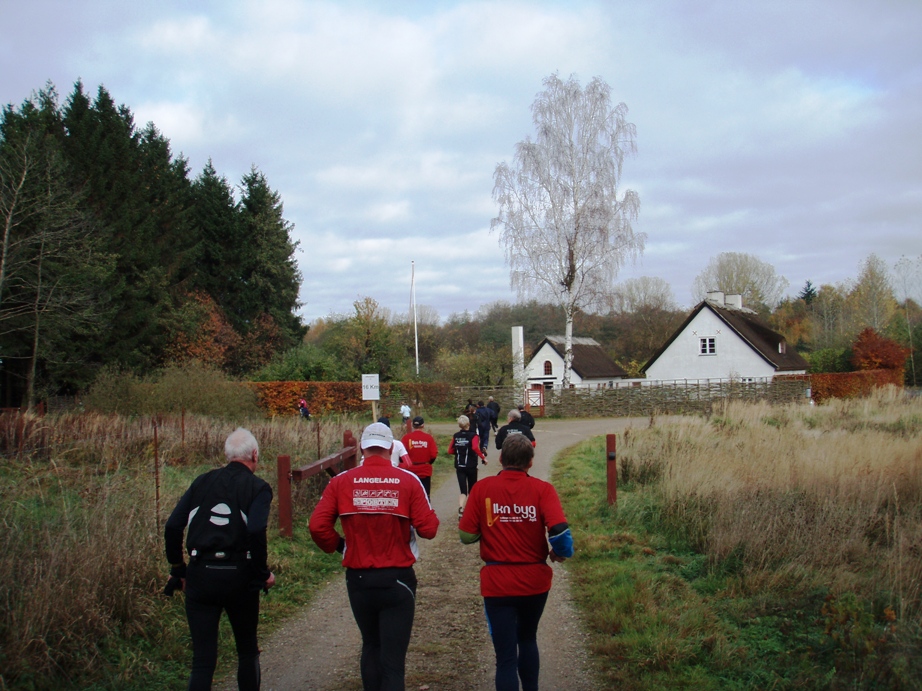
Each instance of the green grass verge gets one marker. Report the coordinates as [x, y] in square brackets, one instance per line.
[661, 616]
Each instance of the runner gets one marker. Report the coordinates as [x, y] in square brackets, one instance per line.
[514, 516]
[381, 510]
[422, 450]
[465, 445]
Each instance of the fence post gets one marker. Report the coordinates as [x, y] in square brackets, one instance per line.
[283, 466]
[611, 463]
[349, 440]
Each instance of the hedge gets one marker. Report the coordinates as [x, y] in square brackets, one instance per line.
[281, 397]
[852, 384]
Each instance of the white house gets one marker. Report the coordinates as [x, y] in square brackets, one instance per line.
[592, 367]
[721, 339]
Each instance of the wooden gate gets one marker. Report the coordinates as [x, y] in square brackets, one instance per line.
[534, 400]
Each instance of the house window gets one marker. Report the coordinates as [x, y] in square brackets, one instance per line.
[548, 368]
[782, 347]
[707, 346]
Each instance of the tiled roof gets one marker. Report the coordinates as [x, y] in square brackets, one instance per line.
[590, 361]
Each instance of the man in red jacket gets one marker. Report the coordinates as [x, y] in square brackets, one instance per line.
[422, 450]
[381, 509]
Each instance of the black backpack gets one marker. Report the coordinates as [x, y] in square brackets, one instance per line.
[217, 527]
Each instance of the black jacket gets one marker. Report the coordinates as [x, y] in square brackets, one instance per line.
[513, 428]
[236, 484]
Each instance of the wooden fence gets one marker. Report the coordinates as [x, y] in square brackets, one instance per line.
[344, 459]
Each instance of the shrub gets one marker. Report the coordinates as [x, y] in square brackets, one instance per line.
[852, 384]
[830, 360]
[873, 351]
[192, 387]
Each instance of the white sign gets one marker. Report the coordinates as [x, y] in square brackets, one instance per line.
[370, 388]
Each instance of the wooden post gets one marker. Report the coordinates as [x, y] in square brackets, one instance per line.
[350, 440]
[317, 428]
[611, 462]
[156, 478]
[283, 466]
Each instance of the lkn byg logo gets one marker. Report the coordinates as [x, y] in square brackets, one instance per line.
[510, 513]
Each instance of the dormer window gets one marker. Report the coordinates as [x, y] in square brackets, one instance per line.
[548, 368]
[707, 346]
[782, 347]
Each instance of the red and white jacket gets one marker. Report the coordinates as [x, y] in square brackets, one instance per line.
[423, 450]
[381, 509]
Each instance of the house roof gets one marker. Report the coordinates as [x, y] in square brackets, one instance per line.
[590, 361]
[749, 326]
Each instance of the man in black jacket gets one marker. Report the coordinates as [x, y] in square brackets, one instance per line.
[494, 415]
[527, 418]
[514, 426]
[226, 511]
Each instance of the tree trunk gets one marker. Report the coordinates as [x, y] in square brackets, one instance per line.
[568, 350]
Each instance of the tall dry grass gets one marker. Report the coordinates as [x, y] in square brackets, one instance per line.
[831, 493]
[83, 500]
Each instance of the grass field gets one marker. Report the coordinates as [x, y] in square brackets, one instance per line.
[763, 548]
[83, 501]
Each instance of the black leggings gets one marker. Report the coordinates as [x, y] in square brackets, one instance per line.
[513, 623]
[211, 588]
[383, 602]
[467, 478]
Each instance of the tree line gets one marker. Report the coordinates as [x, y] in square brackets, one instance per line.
[473, 348]
[113, 255]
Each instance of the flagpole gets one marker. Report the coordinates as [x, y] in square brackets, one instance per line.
[413, 302]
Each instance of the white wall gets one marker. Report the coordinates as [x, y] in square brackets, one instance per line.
[734, 357]
[534, 371]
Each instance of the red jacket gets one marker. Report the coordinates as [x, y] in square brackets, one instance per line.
[422, 449]
[376, 504]
[512, 512]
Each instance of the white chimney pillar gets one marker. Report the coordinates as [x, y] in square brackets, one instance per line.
[518, 363]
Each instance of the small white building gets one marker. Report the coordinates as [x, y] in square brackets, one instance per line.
[592, 366]
[721, 339]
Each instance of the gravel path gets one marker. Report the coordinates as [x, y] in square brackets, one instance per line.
[318, 649]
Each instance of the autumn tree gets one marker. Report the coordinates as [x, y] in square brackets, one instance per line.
[565, 226]
[200, 332]
[365, 342]
[873, 351]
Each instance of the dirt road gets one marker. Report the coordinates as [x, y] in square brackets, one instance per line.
[318, 649]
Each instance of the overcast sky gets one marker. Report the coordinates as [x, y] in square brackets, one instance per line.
[788, 130]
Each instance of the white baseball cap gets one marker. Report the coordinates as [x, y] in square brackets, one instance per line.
[379, 435]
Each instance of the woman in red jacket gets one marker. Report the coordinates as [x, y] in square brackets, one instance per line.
[381, 509]
[515, 516]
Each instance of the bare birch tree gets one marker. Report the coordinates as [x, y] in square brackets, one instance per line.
[908, 280]
[743, 274]
[565, 228]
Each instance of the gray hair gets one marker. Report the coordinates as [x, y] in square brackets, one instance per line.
[514, 415]
[240, 445]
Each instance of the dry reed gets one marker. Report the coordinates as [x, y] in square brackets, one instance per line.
[832, 492]
[81, 542]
